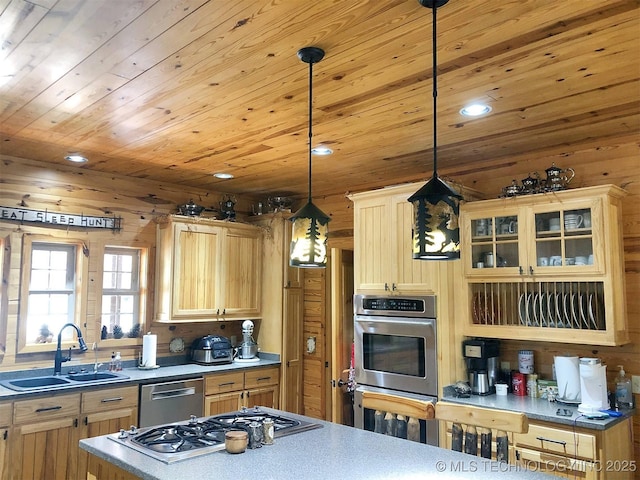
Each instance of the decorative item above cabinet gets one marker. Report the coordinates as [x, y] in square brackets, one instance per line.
[207, 270]
[546, 267]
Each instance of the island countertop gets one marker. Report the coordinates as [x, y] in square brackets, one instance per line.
[328, 452]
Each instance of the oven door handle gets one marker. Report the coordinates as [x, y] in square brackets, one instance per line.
[398, 404]
[181, 392]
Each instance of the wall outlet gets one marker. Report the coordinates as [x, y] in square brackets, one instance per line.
[635, 383]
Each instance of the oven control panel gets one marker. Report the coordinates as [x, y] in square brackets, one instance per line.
[422, 306]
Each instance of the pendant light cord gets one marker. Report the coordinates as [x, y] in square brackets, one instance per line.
[310, 122]
[435, 93]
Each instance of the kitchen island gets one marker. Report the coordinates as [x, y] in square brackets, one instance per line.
[332, 451]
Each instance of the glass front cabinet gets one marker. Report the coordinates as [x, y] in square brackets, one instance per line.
[546, 266]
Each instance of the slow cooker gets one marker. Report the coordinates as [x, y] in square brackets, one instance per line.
[211, 349]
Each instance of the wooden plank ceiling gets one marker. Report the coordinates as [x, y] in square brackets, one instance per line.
[174, 90]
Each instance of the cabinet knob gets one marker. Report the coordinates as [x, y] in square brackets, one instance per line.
[393, 287]
[530, 270]
[521, 270]
[386, 286]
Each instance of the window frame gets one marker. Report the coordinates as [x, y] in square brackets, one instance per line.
[80, 294]
[140, 294]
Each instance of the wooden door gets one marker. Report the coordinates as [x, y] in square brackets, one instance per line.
[341, 334]
[263, 397]
[195, 271]
[47, 449]
[223, 403]
[103, 423]
[241, 273]
[4, 462]
[6, 410]
[292, 356]
[371, 238]
[409, 275]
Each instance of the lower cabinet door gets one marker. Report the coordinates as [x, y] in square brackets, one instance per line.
[263, 397]
[222, 403]
[47, 449]
[103, 423]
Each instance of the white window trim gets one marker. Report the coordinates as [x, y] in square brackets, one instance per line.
[143, 297]
[80, 291]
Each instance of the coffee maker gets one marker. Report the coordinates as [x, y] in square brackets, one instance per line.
[482, 358]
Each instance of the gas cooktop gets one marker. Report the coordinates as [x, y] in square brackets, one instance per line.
[198, 436]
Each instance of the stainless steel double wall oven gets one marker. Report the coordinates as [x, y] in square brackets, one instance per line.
[395, 354]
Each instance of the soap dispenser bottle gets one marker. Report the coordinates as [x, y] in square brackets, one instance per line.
[624, 396]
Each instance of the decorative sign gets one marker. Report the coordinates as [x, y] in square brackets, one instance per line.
[26, 215]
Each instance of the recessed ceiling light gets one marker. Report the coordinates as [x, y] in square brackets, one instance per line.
[475, 110]
[76, 158]
[223, 176]
[321, 150]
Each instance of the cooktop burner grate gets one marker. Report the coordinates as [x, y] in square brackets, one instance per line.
[182, 440]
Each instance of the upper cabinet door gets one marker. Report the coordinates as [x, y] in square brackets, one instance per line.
[195, 274]
[383, 252]
[242, 269]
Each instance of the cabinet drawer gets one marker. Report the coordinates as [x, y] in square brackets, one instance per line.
[31, 411]
[5, 414]
[225, 382]
[557, 465]
[554, 440]
[261, 377]
[108, 398]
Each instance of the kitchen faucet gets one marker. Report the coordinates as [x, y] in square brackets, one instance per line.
[59, 359]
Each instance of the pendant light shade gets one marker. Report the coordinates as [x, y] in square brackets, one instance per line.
[436, 206]
[310, 224]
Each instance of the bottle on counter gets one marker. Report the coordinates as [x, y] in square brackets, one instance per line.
[624, 395]
[112, 363]
[118, 362]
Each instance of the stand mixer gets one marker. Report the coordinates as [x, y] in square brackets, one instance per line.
[248, 349]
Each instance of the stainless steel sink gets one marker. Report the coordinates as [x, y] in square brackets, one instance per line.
[48, 382]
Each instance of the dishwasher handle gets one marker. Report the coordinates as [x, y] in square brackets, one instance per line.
[180, 392]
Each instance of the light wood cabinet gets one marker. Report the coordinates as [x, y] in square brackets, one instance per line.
[546, 267]
[574, 452]
[281, 329]
[383, 261]
[6, 410]
[45, 435]
[228, 392]
[207, 270]
[103, 412]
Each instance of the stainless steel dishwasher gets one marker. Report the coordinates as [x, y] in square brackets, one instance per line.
[171, 401]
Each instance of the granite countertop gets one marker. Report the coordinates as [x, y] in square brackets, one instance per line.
[538, 409]
[136, 376]
[328, 452]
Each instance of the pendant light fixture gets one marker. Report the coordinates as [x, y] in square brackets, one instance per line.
[436, 206]
[310, 224]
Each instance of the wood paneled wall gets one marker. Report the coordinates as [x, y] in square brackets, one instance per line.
[73, 190]
[617, 163]
[315, 385]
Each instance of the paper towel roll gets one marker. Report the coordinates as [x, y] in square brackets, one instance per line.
[568, 377]
[149, 347]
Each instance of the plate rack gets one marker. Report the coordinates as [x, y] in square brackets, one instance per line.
[543, 305]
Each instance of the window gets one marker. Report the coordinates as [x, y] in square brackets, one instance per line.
[121, 291]
[52, 291]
